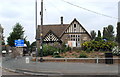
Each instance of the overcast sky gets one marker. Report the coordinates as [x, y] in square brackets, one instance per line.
[23, 11]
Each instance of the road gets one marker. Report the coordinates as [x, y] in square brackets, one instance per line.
[6, 72]
[60, 68]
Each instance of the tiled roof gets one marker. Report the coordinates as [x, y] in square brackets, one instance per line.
[56, 28]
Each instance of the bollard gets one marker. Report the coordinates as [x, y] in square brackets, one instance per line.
[27, 60]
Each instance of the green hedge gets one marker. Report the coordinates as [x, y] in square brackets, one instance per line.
[49, 50]
[98, 45]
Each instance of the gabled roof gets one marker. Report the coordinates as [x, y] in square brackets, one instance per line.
[57, 29]
[78, 23]
[54, 39]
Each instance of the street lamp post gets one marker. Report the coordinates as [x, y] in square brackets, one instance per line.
[41, 33]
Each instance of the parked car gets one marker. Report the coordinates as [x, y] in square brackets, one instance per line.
[4, 52]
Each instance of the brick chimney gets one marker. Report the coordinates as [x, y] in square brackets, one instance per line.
[61, 20]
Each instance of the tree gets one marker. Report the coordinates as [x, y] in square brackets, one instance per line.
[99, 33]
[111, 33]
[118, 33]
[27, 43]
[105, 33]
[33, 46]
[98, 38]
[17, 33]
[93, 34]
[108, 33]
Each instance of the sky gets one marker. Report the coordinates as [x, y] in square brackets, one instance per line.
[23, 11]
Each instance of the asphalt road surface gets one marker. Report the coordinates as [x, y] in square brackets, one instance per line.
[60, 68]
[6, 72]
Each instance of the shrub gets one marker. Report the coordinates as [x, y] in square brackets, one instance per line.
[83, 55]
[65, 48]
[88, 50]
[98, 45]
[77, 51]
[48, 50]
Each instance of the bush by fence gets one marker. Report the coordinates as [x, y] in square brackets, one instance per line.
[98, 45]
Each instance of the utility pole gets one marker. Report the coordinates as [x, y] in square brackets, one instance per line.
[41, 33]
[37, 42]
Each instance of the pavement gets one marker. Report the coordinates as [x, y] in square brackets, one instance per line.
[8, 72]
[58, 68]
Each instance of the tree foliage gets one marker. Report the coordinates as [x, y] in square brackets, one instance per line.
[49, 50]
[108, 33]
[98, 38]
[33, 46]
[93, 34]
[99, 33]
[118, 33]
[105, 33]
[17, 33]
[99, 45]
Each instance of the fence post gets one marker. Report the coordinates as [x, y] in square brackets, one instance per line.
[97, 60]
[65, 59]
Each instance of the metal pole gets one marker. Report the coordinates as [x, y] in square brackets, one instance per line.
[36, 15]
[36, 29]
[41, 39]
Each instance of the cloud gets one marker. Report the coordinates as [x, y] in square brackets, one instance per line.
[23, 11]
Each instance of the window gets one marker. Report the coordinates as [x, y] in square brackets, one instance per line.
[74, 25]
[73, 39]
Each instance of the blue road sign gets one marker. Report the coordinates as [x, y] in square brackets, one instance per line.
[19, 43]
